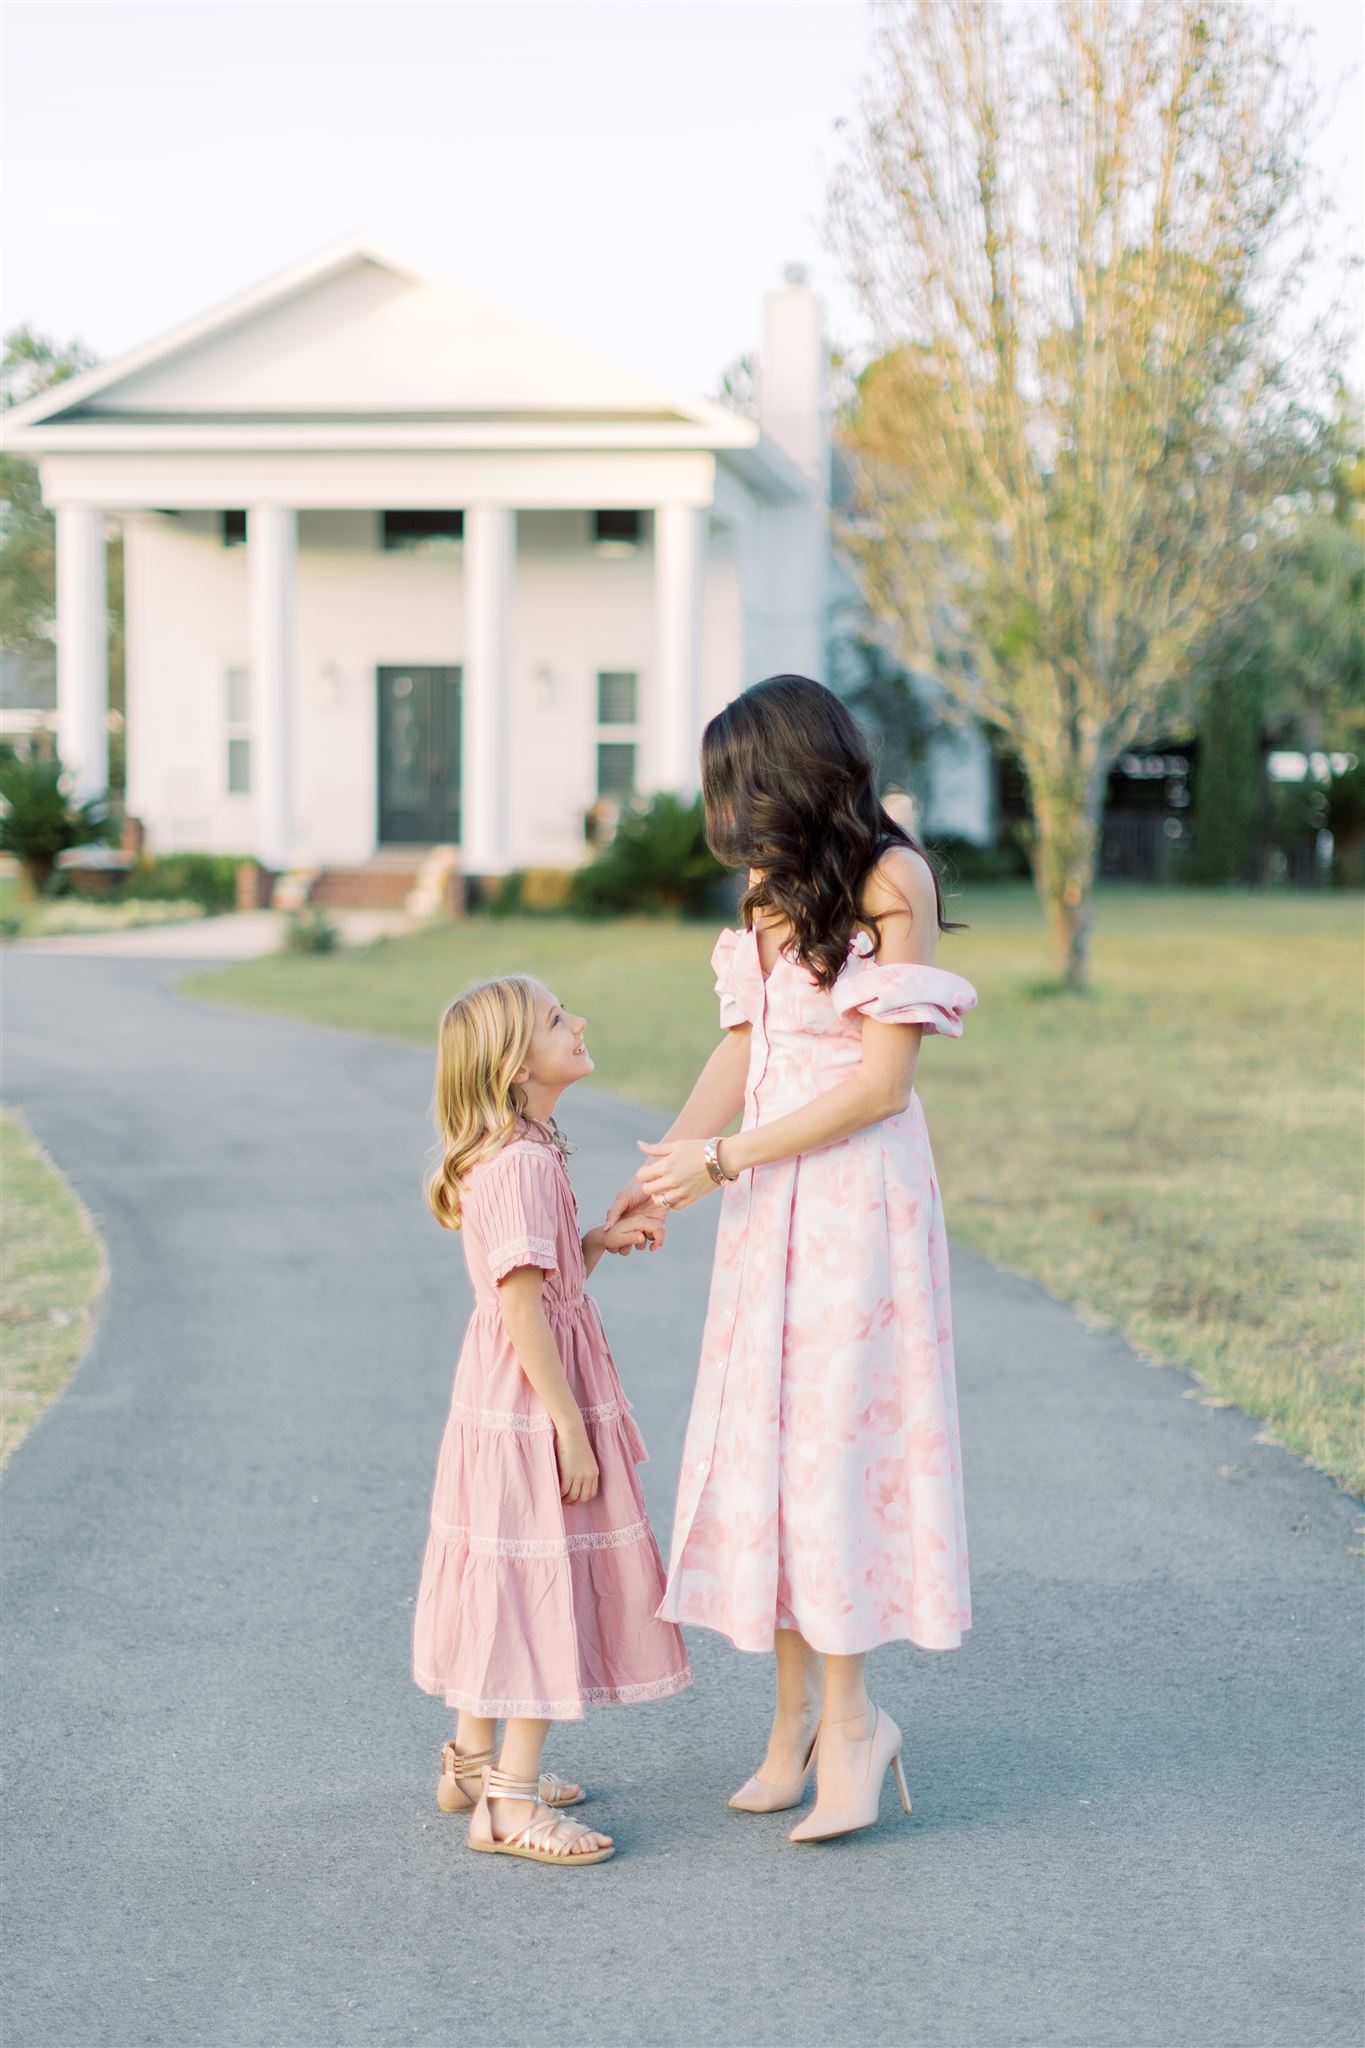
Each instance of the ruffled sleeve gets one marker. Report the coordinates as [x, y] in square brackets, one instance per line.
[903, 993]
[519, 1210]
[732, 1011]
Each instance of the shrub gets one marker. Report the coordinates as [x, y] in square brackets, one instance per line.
[208, 879]
[532, 892]
[38, 820]
[658, 863]
[310, 931]
[962, 860]
[1345, 802]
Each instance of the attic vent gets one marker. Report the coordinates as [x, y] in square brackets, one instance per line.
[616, 532]
[413, 532]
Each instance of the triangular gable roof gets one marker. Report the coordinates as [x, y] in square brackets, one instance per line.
[353, 334]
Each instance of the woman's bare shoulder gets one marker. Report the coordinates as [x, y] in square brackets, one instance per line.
[902, 881]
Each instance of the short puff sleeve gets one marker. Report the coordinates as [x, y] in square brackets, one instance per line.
[903, 992]
[520, 1210]
[732, 1011]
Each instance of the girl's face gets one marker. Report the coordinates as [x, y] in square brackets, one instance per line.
[558, 1057]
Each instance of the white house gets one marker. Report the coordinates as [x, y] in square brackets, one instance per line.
[402, 571]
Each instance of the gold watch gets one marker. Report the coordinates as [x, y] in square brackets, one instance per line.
[711, 1152]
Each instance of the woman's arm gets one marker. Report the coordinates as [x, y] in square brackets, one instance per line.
[901, 892]
[523, 1313]
[717, 1097]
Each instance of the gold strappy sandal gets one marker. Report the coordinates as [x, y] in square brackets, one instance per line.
[453, 1797]
[546, 1838]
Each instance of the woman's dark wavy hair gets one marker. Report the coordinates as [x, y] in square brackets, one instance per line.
[788, 789]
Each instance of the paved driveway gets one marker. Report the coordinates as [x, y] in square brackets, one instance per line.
[1137, 1787]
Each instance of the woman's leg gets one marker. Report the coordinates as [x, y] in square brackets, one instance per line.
[845, 1725]
[797, 1712]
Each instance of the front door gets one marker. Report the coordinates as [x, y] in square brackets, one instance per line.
[419, 756]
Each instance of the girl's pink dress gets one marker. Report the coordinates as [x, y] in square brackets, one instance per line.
[821, 1486]
[530, 1605]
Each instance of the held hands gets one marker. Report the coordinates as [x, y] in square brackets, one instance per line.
[675, 1174]
[640, 1230]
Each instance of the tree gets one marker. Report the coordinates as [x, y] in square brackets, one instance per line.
[1291, 668]
[886, 703]
[1079, 231]
[31, 362]
[28, 557]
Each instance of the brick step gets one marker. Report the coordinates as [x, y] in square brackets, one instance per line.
[368, 888]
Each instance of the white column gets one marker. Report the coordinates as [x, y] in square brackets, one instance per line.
[82, 650]
[271, 544]
[673, 723]
[486, 687]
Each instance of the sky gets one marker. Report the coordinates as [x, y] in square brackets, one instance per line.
[631, 173]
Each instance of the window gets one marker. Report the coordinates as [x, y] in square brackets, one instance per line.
[615, 769]
[418, 532]
[616, 696]
[618, 731]
[234, 529]
[237, 722]
[616, 533]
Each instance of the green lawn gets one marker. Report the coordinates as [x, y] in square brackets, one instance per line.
[57, 916]
[50, 1278]
[1178, 1154]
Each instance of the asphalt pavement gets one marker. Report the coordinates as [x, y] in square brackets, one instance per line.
[1137, 1787]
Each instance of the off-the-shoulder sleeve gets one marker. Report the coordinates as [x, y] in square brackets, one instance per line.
[723, 961]
[903, 993]
[520, 1210]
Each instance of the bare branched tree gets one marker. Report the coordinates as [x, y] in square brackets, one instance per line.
[1082, 232]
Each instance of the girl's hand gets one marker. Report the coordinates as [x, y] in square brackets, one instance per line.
[577, 1465]
[675, 1174]
[642, 1229]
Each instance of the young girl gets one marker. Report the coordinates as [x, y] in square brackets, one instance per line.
[541, 1576]
[820, 1505]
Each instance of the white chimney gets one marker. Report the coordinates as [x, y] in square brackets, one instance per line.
[792, 400]
[792, 413]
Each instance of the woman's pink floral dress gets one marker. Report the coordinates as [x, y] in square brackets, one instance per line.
[821, 1486]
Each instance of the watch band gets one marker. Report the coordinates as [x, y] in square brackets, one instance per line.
[711, 1153]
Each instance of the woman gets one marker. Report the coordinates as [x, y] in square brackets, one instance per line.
[820, 1504]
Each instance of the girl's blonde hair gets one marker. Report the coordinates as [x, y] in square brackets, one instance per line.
[484, 1040]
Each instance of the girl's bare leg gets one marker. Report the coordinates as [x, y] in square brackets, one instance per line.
[474, 1733]
[797, 1712]
[845, 1724]
[522, 1745]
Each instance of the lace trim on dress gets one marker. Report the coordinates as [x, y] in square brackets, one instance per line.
[524, 1251]
[539, 1546]
[557, 1710]
[530, 1425]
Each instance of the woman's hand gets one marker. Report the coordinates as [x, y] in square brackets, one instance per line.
[577, 1465]
[675, 1173]
[632, 1196]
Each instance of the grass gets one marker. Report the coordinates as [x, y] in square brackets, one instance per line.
[50, 1278]
[21, 917]
[1178, 1154]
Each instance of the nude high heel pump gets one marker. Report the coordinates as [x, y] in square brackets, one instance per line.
[760, 1795]
[883, 1754]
